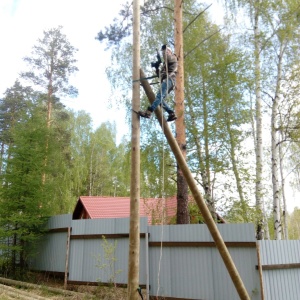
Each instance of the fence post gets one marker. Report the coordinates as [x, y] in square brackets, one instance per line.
[147, 264]
[67, 258]
[260, 271]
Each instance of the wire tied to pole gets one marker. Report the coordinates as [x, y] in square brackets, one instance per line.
[140, 292]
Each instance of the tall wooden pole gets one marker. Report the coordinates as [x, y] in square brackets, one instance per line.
[182, 186]
[212, 227]
[134, 232]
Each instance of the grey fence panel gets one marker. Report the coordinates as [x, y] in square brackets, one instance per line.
[87, 256]
[236, 232]
[160, 271]
[93, 256]
[76, 262]
[245, 260]
[78, 227]
[88, 262]
[179, 233]
[50, 253]
[50, 250]
[200, 232]
[280, 252]
[61, 221]
[199, 272]
[98, 226]
[280, 283]
[195, 278]
[178, 270]
[121, 265]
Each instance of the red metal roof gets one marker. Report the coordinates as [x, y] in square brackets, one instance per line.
[95, 207]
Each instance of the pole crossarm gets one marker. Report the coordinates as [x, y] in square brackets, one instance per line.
[233, 272]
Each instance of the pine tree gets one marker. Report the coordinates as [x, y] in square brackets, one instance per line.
[51, 63]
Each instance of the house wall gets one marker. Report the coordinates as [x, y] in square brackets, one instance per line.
[185, 266]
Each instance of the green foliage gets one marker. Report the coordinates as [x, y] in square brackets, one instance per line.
[195, 214]
[25, 202]
[80, 162]
[121, 27]
[106, 262]
[241, 212]
[51, 63]
[99, 166]
[294, 224]
[158, 169]
[218, 116]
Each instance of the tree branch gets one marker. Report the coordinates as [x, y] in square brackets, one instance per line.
[196, 18]
[189, 52]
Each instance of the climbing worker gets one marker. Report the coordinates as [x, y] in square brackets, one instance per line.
[167, 79]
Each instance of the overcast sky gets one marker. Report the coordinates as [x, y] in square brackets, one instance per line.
[22, 22]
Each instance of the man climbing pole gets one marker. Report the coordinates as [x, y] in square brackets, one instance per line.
[167, 79]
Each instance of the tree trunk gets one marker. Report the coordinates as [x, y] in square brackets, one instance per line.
[235, 167]
[285, 227]
[1, 153]
[182, 187]
[134, 230]
[259, 147]
[274, 151]
[49, 113]
[91, 179]
[206, 172]
[205, 183]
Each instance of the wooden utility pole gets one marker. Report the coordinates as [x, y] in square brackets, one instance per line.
[212, 227]
[134, 232]
[182, 186]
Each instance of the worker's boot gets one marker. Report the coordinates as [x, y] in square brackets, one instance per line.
[171, 117]
[146, 114]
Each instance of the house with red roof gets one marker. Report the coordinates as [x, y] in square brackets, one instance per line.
[155, 209]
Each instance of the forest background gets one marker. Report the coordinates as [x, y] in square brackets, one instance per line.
[240, 69]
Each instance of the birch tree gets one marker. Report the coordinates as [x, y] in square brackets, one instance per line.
[285, 34]
[254, 9]
[258, 116]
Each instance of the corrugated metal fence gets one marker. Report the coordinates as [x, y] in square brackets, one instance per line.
[176, 261]
[280, 262]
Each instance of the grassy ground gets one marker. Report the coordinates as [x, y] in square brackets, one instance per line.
[44, 290]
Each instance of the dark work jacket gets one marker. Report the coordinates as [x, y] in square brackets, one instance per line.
[169, 68]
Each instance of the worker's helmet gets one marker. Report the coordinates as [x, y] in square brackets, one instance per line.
[164, 48]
